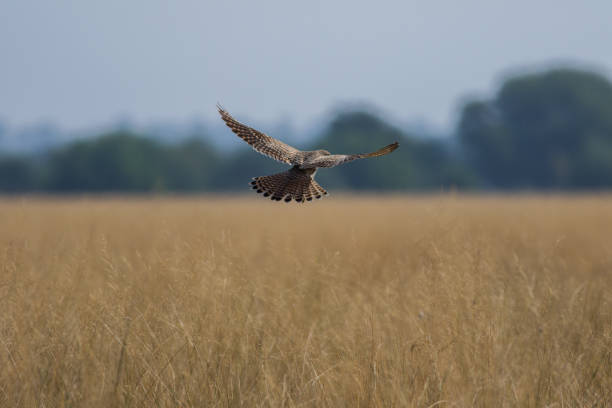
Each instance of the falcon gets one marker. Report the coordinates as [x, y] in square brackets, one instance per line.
[298, 182]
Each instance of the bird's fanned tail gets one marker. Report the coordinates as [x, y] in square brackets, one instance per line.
[294, 184]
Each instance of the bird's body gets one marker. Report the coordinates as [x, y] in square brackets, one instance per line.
[298, 182]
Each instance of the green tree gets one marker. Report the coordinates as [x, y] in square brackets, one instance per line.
[17, 174]
[417, 164]
[122, 162]
[189, 166]
[546, 130]
[118, 161]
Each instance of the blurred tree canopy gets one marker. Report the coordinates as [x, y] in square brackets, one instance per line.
[549, 130]
[17, 175]
[126, 162]
[416, 165]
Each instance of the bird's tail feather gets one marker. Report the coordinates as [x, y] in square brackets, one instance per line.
[294, 184]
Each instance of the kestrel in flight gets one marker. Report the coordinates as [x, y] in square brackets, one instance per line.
[298, 182]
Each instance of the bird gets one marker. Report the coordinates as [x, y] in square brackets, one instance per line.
[298, 182]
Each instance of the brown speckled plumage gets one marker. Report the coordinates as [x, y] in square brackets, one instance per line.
[298, 182]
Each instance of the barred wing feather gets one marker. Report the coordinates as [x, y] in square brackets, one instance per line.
[261, 142]
[338, 159]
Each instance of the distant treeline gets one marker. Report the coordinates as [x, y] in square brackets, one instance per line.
[550, 130]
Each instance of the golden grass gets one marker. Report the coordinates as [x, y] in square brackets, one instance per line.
[427, 301]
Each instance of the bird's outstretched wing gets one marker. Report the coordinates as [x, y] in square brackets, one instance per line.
[337, 159]
[261, 142]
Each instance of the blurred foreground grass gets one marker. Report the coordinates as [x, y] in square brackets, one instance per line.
[417, 301]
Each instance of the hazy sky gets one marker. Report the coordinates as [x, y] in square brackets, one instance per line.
[84, 63]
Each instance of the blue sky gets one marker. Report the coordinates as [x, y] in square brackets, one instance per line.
[85, 63]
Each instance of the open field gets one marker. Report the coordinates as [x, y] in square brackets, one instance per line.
[418, 301]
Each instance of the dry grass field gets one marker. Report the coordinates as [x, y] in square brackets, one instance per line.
[444, 301]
